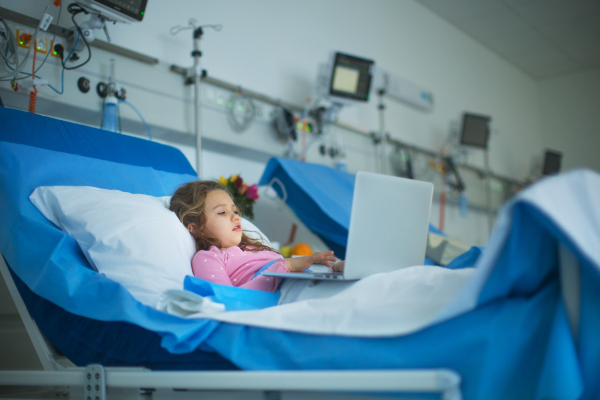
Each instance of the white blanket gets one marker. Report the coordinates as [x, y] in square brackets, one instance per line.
[380, 305]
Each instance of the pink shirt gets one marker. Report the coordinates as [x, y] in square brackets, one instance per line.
[235, 267]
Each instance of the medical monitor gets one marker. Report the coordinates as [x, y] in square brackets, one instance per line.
[552, 162]
[475, 130]
[126, 11]
[350, 78]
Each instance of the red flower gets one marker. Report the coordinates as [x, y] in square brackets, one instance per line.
[252, 192]
[238, 182]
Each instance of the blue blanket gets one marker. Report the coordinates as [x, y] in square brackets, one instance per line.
[513, 342]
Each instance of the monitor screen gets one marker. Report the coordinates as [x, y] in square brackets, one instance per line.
[552, 160]
[351, 77]
[475, 130]
[132, 8]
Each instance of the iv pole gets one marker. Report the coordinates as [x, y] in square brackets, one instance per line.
[194, 76]
[382, 138]
[488, 193]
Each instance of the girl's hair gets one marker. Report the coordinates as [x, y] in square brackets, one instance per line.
[189, 203]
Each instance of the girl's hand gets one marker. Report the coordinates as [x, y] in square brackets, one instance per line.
[339, 267]
[299, 264]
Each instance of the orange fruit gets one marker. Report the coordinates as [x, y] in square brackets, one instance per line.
[301, 249]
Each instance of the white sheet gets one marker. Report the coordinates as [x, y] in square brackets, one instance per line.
[380, 305]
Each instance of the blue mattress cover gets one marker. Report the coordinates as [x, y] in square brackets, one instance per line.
[320, 196]
[37, 150]
[515, 344]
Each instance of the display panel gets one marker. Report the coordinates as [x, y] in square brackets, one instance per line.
[132, 8]
[350, 77]
[552, 162]
[475, 130]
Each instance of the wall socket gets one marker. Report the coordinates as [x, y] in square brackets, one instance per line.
[24, 37]
[54, 43]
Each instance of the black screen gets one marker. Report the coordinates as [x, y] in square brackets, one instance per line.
[552, 160]
[351, 77]
[133, 8]
[475, 130]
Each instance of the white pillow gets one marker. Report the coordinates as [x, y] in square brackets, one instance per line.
[133, 239]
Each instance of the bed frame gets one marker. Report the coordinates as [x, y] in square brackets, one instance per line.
[61, 380]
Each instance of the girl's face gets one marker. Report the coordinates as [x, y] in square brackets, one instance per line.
[222, 219]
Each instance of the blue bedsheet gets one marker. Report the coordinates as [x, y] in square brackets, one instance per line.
[515, 343]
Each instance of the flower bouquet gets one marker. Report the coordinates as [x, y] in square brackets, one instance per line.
[243, 195]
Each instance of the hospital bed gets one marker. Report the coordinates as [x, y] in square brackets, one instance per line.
[525, 325]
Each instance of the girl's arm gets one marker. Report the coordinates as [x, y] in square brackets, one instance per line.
[210, 267]
[267, 283]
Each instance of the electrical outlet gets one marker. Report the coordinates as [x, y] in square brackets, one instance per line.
[24, 37]
[42, 44]
[53, 43]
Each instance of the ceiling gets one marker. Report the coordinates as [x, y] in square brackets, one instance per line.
[543, 38]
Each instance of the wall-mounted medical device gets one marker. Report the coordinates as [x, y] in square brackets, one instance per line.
[101, 11]
[552, 162]
[349, 79]
[125, 11]
[344, 80]
[402, 90]
[475, 130]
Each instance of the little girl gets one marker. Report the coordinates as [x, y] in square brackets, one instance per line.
[225, 254]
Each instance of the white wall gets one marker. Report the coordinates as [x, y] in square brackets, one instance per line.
[570, 111]
[274, 47]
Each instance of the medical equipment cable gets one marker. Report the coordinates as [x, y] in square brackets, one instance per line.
[139, 115]
[27, 75]
[33, 39]
[20, 66]
[62, 78]
[33, 93]
[75, 9]
[53, 36]
[15, 46]
[10, 40]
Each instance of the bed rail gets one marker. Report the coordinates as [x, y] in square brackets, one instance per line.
[98, 383]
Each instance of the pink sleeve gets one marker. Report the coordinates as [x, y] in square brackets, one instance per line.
[267, 283]
[211, 267]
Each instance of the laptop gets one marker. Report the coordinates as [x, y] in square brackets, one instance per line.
[389, 222]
